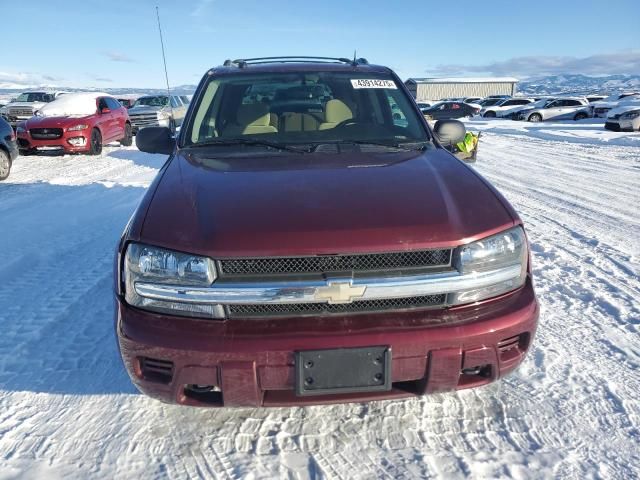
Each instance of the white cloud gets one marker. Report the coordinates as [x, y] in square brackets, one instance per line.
[622, 62]
[26, 79]
[118, 57]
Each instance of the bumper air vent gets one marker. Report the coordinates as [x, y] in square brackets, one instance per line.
[155, 370]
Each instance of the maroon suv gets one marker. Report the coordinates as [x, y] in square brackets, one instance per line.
[304, 245]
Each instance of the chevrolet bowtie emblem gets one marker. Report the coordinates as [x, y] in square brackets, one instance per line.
[339, 292]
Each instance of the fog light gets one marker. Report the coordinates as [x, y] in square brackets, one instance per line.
[77, 141]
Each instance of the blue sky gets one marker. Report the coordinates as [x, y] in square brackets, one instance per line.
[86, 44]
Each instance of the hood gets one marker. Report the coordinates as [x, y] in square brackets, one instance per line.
[33, 105]
[624, 109]
[53, 122]
[320, 204]
[602, 104]
[144, 109]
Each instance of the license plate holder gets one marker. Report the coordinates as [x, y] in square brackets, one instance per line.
[343, 370]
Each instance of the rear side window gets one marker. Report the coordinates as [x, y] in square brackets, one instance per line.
[112, 103]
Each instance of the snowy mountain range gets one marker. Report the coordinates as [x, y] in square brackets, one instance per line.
[579, 84]
[553, 84]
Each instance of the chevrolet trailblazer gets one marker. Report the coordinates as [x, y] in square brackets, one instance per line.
[318, 249]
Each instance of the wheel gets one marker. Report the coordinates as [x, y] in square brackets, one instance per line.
[5, 164]
[172, 126]
[489, 114]
[580, 116]
[95, 146]
[535, 117]
[127, 140]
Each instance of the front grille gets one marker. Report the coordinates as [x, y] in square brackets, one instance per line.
[45, 133]
[144, 120]
[337, 263]
[21, 112]
[358, 306]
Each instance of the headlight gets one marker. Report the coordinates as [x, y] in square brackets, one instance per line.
[20, 129]
[152, 265]
[506, 254]
[163, 115]
[76, 128]
[630, 115]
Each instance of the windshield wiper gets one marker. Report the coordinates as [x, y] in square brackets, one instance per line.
[396, 145]
[245, 141]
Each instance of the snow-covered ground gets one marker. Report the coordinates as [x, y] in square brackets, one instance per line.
[67, 408]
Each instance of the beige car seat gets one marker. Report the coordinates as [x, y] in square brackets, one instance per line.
[252, 118]
[299, 122]
[335, 112]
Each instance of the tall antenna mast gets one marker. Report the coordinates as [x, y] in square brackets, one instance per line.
[164, 60]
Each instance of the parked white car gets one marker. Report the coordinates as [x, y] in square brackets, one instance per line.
[563, 108]
[624, 119]
[26, 105]
[514, 113]
[601, 108]
[506, 104]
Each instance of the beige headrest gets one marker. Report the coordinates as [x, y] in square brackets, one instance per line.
[256, 114]
[336, 111]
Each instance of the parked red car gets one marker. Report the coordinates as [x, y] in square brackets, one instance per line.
[317, 250]
[76, 123]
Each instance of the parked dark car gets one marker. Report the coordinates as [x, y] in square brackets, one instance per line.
[127, 102]
[317, 256]
[8, 148]
[448, 110]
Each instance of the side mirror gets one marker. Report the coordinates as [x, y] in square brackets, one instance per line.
[449, 132]
[155, 140]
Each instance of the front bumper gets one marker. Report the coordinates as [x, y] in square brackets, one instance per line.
[251, 362]
[15, 120]
[618, 125]
[27, 143]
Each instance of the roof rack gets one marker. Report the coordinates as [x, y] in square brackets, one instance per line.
[244, 62]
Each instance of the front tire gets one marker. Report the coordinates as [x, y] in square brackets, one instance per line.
[490, 114]
[172, 126]
[580, 116]
[535, 118]
[95, 145]
[5, 165]
[127, 141]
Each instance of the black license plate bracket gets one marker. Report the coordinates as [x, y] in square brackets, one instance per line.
[343, 370]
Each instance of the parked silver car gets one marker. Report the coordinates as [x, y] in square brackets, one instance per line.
[624, 119]
[26, 105]
[564, 108]
[157, 111]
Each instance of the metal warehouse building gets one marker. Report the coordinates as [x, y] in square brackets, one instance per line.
[436, 88]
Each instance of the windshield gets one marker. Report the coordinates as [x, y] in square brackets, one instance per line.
[156, 101]
[34, 97]
[305, 108]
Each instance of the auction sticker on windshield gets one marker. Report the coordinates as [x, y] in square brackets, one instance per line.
[372, 83]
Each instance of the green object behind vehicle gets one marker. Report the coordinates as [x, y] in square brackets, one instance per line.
[468, 145]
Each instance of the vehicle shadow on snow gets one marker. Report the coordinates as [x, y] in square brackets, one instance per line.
[56, 287]
[140, 158]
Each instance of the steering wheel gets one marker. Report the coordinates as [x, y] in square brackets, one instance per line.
[348, 121]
